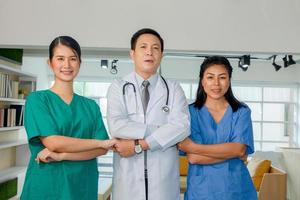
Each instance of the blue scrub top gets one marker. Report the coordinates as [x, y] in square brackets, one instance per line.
[228, 180]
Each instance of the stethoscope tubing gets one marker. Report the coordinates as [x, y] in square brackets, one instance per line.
[134, 90]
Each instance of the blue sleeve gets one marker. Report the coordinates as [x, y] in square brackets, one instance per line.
[195, 126]
[182, 153]
[242, 130]
[195, 130]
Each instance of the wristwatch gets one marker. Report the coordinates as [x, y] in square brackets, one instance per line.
[137, 147]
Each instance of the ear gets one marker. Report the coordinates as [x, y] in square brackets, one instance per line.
[131, 54]
[49, 63]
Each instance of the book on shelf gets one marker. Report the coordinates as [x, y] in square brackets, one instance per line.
[1, 117]
[19, 114]
[13, 116]
[8, 88]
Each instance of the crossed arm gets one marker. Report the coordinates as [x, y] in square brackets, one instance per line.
[150, 136]
[58, 148]
[212, 153]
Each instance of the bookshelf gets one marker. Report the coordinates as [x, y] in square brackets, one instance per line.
[15, 85]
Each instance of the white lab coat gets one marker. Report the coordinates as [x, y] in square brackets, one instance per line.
[127, 122]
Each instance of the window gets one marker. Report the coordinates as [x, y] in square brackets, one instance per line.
[274, 114]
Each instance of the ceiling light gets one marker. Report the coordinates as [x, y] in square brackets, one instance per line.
[291, 60]
[114, 69]
[285, 61]
[104, 64]
[244, 62]
[276, 66]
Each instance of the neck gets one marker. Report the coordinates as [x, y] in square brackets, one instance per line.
[63, 88]
[145, 75]
[216, 104]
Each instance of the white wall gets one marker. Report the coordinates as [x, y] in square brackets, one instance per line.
[39, 67]
[195, 25]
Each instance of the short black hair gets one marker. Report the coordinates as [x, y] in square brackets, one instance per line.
[66, 41]
[140, 32]
[201, 95]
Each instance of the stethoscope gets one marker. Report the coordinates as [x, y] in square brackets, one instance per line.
[165, 108]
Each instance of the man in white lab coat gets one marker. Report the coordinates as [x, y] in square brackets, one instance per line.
[148, 125]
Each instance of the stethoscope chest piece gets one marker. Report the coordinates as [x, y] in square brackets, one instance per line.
[165, 109]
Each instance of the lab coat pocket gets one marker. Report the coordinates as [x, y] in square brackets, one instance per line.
[158, 117]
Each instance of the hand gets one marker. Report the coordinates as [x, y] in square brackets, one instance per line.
[47, 156]
[192, 158]
[244, 157]
[108, 144]
[185, 145]
[125, 147]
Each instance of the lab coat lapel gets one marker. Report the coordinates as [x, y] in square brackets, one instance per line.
[158, 93]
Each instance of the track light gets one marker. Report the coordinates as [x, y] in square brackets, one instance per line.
[291, 60]
[244, 62]
[104, 64]
[114, 69]
[276, 66]
[285, 61]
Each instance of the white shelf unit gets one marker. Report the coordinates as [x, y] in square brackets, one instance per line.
[4, 129]
[11, 100]
[11, 173]
[14, 149]
[13, 143]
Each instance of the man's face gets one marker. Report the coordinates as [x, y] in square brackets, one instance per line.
[147, 55]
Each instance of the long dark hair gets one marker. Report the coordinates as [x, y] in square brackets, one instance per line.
[66, 41]
[201, 95]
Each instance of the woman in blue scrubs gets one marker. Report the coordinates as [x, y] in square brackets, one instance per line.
[221, 138]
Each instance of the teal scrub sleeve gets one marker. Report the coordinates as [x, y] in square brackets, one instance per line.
[100, 130]
[242, 131]
[38, 121]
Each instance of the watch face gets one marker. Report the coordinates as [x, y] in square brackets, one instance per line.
[138, 148]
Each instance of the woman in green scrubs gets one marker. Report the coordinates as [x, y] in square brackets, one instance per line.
[65, 132]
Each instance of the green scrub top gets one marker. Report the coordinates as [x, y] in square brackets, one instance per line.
[47, 114]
